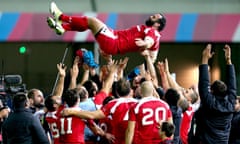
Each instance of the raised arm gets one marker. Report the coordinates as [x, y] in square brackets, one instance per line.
[107, 84]
[204, 81]
[227, 51]
[163, 75]
[150, 67]
[121, 68]
[86, 73]
[230, 74]
[60, 84]
[172, 82]
[74, 73]
[207, 54]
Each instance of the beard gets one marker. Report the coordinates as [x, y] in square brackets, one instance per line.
[149, 22]
[40, 105]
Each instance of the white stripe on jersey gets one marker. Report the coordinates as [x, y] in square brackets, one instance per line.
[120, 101]
[138, 28]
[51, 114]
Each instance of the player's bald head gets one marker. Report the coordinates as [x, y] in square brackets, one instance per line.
[147, 88]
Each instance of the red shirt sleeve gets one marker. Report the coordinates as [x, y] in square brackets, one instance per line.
[155, 35]
[99, 98]
[132, 115]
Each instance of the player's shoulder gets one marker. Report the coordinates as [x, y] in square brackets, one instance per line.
[131, 100]
[109, 105]
[150, 100]
[51, 114]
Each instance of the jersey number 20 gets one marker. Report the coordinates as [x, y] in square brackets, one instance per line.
[151, 115]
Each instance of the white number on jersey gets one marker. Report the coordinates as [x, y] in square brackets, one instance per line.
[54, 129]
[67, 130]
[150, 115]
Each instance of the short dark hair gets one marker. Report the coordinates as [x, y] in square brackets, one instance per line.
[162, 21]
[90, 88]
[168, 128]
[107, 100]
[20, 100]
[219, 88]
[172, 96]
[49, 102]
[123, 87]
[70, 97]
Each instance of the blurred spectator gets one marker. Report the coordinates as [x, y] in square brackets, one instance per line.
[21, 127]
[234, 137]
[172, 98]
[4, 112]
[36, 99]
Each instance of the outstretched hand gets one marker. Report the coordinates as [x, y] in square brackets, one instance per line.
[123, 63]
[113, 67]
[140, 43]
[163, 66]
[166, 66]
[207, 54]
[106, 56]
[75, 70]
[227, 51]
[61, 69]
[111, 138]
[145, 53]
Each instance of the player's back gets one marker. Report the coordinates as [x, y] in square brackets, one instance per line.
[51, 119]
[149, 111]
[118, 113]
[71, 129]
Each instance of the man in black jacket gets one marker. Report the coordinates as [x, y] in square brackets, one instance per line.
[21, 127]
[214, 116]
[234, 137]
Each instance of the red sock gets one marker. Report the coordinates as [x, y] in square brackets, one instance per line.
[75, 23]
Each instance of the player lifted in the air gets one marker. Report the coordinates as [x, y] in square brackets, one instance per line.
[112, 42]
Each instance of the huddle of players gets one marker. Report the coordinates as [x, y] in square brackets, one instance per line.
[150, 116]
